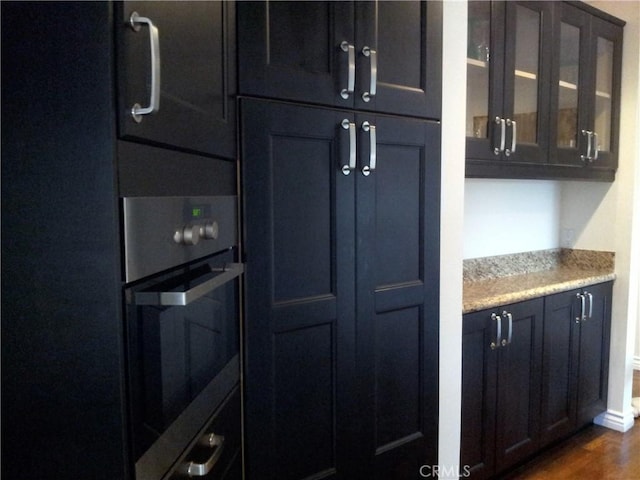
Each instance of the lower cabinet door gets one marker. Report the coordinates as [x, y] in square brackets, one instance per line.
[558, 408]
[500, 386]
[575, 359]
[341, 218]
[595, 333]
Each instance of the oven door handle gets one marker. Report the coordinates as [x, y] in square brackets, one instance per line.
[175, 299]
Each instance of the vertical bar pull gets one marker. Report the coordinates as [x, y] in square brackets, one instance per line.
[351, 70]
[347, 125]
[514, 136]
[498, 342]
[589, 136]
[590, 297]
[581, 317]
[154, 42]
[373, 58]
[367, 169]
[503, 131]
[596, 146]
[510, 334]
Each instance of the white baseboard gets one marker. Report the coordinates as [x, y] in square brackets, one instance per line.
[617, 421]
[636, 362]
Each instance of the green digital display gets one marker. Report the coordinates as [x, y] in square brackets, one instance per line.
[196, 212]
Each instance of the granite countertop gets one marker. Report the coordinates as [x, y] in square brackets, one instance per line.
[504, 279]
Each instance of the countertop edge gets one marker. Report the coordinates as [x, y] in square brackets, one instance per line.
[501, 299]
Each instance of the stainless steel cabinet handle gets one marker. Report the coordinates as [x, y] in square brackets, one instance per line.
[590, 297]
[367, 169]
[347, 125]
[351, 70]
[510, 334]
[154, 39]
[228, 273]
[373, 58]
[589, 136]
[596, 146]
[210, 440]
[503, 131]
[514, 135]
[498, 320]
[580, 317]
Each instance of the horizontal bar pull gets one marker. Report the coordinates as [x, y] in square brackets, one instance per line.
[211, 440]
[154, 40]
[184, 298]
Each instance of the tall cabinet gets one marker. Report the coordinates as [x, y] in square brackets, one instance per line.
[341, 215]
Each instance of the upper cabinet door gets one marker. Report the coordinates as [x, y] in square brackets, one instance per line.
[302, 51]
[399, 57]
[485, 60]
[177, 62]
[604, 92]
[508, 55]
[382, 56]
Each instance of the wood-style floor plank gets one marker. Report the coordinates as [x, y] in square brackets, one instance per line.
[595, 453]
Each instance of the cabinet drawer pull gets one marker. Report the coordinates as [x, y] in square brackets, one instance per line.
[154, 41]
[498, 341]
[373, 58]
[373, 155]
[351, 70]
[596, 146]
[347, 125]
[590, 297]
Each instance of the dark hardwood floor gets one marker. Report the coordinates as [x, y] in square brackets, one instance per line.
[596, 453]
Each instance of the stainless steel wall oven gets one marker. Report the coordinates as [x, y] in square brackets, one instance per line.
[182, 335]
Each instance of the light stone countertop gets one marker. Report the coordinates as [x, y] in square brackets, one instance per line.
[502, 280]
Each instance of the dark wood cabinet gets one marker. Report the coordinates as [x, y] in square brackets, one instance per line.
[585, 96]
[501, 359]
[543, 90]
[344, 54]
[341, 291]
[508, 79]
[193, 50]
[575, 359]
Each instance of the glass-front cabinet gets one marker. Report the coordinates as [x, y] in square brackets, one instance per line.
[586, 95]
[543, 90]
[508, 59]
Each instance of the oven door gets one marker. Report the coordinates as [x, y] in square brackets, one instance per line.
[183, 344]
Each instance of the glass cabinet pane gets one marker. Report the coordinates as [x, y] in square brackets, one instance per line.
[604, 72]
[528, 23]
[478, 60]
[568, 86]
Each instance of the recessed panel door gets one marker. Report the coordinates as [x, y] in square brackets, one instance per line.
[397, 214]
[177, 75]
[299, 295]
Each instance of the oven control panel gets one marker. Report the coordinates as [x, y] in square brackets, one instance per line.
[165, 232]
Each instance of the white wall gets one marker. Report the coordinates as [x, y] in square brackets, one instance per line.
[510, 216]
[453, 118]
